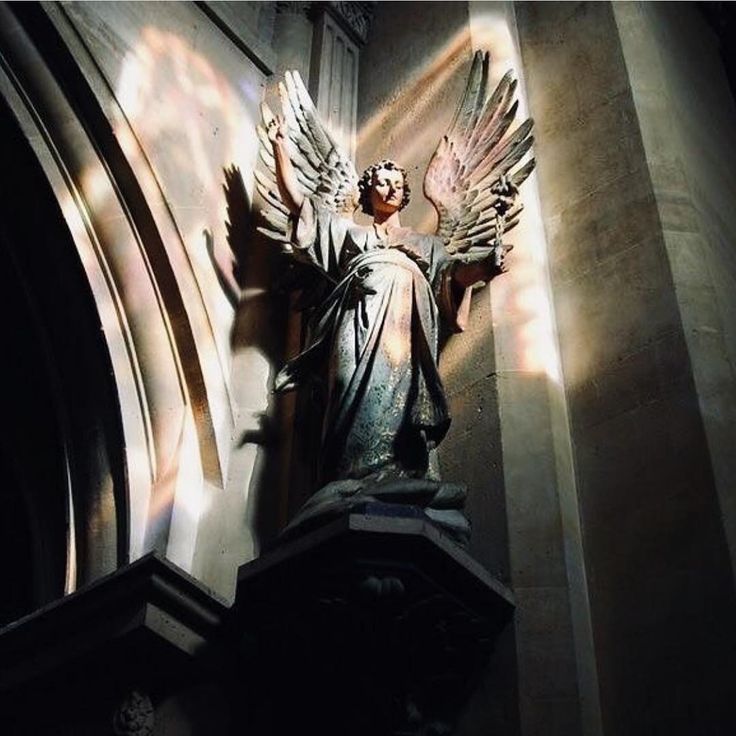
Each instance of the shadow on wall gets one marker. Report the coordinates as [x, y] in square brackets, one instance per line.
[252, 281]
[164, 81]
[181, 106]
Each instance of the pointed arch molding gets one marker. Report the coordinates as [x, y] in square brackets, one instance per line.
[172, 390]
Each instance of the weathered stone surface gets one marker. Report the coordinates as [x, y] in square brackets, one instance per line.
[627, 325]
[537, 556]
[474, 412]
[693, 192]
[551, 674]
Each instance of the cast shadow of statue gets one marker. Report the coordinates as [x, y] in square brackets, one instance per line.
[259, 287]
[239, 230]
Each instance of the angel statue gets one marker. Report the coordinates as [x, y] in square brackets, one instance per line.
[380, 294]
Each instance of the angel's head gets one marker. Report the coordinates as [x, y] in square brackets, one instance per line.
[383, 188]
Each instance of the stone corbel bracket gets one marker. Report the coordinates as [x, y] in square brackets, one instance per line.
[375, 623]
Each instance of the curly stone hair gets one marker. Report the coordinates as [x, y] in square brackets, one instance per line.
[364, 185]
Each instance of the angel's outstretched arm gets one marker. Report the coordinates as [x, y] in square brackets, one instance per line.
[286, 178]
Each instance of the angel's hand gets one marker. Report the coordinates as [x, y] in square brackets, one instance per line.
[276, 130]
[471, 270]
[287, 181]
[494, 264]
[497, 259]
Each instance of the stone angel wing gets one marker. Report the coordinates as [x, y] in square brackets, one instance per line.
[470, 179]
[324, 171]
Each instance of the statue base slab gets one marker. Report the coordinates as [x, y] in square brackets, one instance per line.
[439, 501]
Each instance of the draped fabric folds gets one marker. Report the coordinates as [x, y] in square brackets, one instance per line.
[373, 344]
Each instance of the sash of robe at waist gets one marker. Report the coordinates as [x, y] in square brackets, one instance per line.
[324, 319]
[393, 255]
[376, 256]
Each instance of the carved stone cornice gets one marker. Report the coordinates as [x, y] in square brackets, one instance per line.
[293, 8]
[354, 17]
[374, 623]
[142, 629]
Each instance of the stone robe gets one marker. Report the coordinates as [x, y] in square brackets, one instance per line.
[373, 343]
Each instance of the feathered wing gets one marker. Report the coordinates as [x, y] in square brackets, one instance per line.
[324, 171]
[464, 177]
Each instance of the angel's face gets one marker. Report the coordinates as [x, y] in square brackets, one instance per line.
[387, 191]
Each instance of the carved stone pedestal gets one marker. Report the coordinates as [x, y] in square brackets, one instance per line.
[374, 624]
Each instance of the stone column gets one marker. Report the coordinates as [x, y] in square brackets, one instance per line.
[334, 84]
[644, 349]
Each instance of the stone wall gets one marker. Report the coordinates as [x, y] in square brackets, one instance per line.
[183, 100]
[134, 112]
[658, 570]
[687, 122]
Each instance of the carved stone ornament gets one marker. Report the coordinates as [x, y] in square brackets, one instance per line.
[134, 716]
[355, 15]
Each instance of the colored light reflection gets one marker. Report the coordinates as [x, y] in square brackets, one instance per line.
[521, 300]
[183, 122]
[419, 87]
[180, 122]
